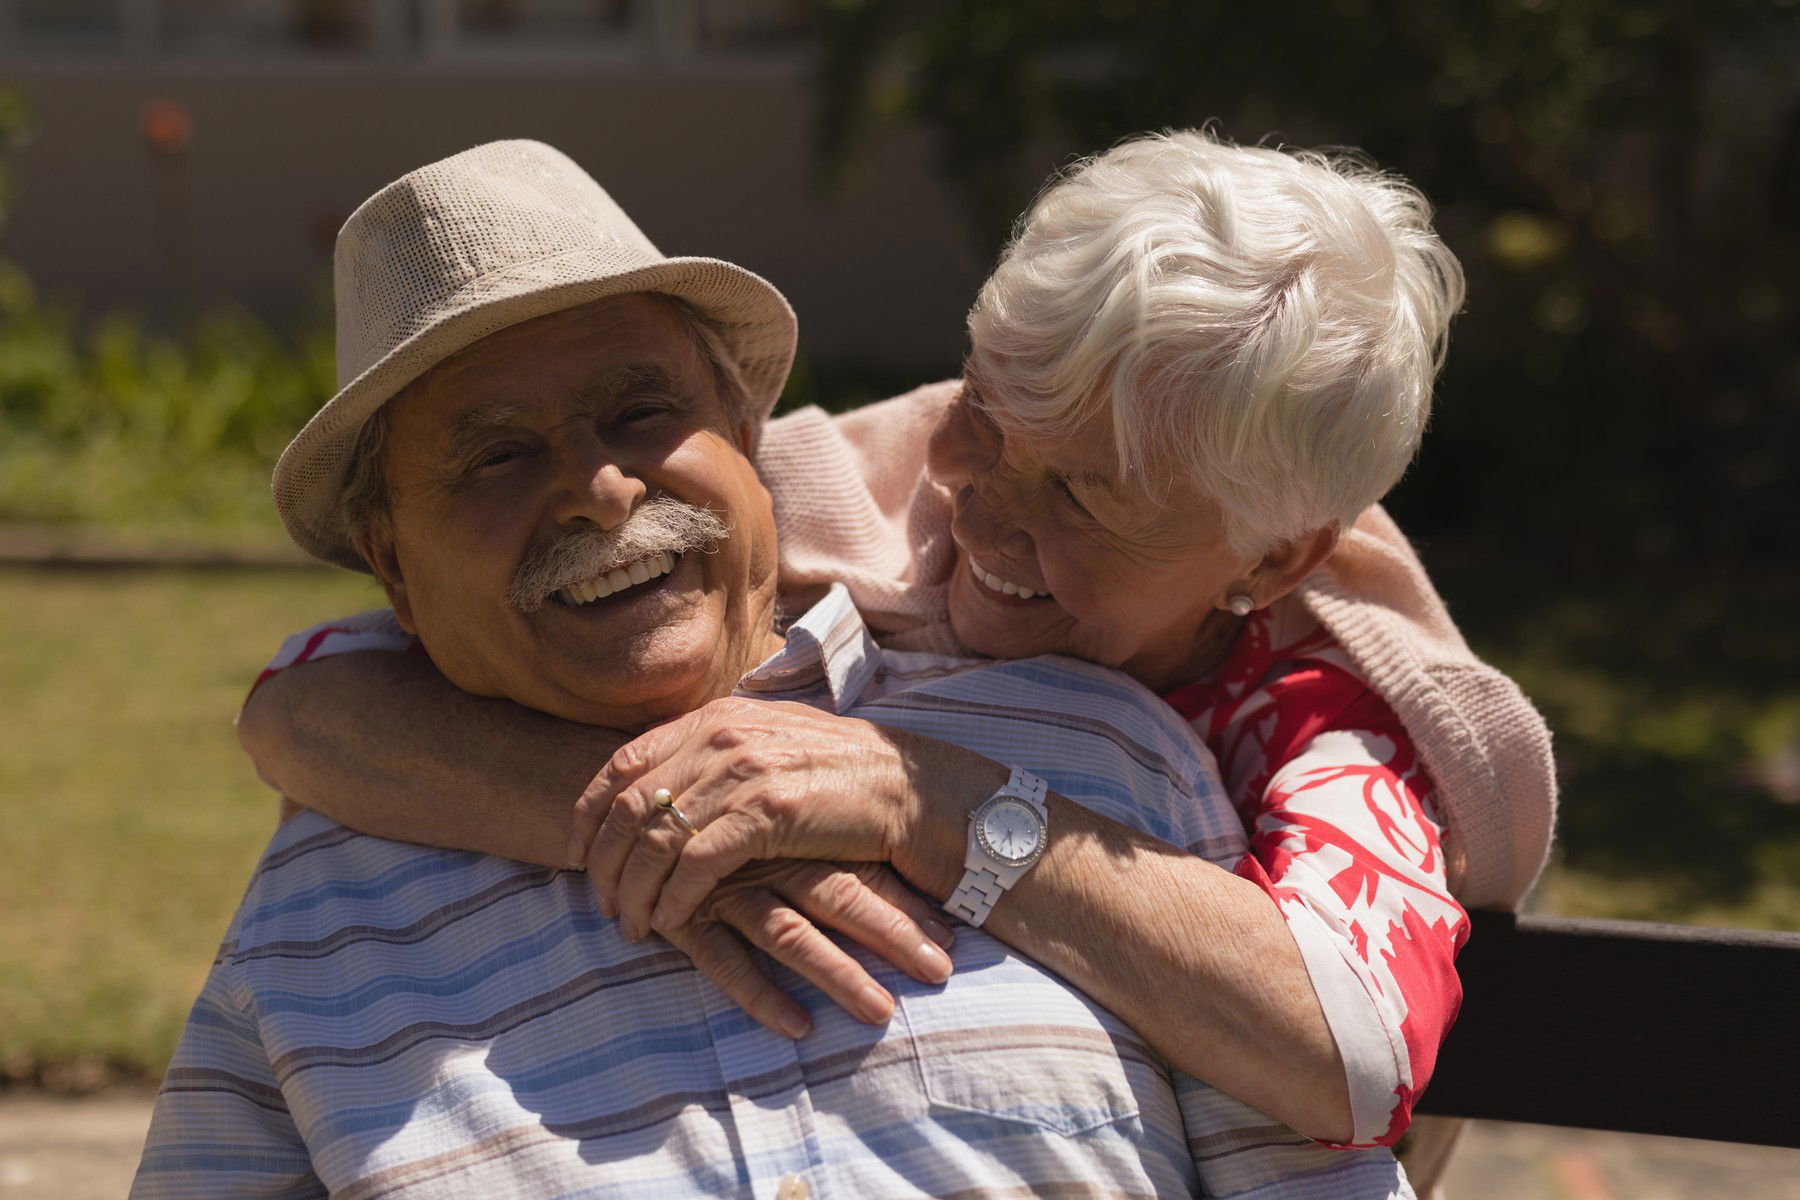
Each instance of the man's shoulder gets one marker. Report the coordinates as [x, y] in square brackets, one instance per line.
[1050, 686]
[1097, 736]
[318, 878]
[310, 846]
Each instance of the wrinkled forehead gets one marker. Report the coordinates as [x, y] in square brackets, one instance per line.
[613, 337]
[467, 413]
[1076, 441]
[567, 364]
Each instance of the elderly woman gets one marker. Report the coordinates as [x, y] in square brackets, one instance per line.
[1192, 376]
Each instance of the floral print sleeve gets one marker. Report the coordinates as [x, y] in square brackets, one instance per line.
[1345, 836]
[376, 630]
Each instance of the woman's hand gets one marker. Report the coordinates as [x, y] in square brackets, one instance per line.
[778, 907]
[768, 780]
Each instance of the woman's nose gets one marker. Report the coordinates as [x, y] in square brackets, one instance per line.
[964, 456]
[963, 446]
[985, 527]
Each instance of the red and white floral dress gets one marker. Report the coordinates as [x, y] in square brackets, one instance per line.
[1345, 837]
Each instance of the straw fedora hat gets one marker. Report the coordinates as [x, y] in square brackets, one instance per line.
[483, 240]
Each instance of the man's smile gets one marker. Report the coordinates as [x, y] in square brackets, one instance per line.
[643, 571]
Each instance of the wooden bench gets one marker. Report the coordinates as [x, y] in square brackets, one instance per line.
[1626, 1025]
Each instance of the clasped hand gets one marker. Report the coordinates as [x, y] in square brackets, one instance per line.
[798, 813]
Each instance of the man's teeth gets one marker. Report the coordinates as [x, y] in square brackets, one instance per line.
[1005, 587]
[641, 571]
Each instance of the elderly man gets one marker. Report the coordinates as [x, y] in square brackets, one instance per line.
[541, 449]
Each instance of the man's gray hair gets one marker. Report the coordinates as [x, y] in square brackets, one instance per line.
[364, 498]
[364, 501]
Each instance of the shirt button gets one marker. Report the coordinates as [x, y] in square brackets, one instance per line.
[793, 1188]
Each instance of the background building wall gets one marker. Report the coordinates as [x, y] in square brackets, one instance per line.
[712, 152]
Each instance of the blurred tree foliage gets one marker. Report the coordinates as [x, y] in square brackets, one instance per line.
[15, 131]
[1608, 491]
[1620, 177]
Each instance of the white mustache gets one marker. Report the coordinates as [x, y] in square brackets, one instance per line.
[660, 525]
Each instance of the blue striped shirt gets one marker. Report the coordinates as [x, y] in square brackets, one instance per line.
[390, 1020]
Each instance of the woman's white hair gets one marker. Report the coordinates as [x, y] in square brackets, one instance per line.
[1267, 323]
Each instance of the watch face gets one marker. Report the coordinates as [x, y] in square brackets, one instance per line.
[1010, 830]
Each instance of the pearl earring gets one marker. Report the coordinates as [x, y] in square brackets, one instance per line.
[1240, 605]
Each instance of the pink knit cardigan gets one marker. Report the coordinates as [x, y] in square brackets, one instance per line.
[853, 505]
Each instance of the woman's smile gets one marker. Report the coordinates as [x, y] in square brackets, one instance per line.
[1003, 589]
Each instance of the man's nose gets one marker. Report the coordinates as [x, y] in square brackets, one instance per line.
[594, 487]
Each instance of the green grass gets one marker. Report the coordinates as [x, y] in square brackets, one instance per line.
[131, 817]
[1769, 898]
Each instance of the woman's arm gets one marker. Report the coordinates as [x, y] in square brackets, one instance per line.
[1347, 841]
[1190, 955]
[1195, 958]
[383, 743]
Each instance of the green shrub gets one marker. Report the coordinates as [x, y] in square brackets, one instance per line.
[119, 426]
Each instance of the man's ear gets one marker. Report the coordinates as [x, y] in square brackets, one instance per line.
[1282, 568]
[377, 549]
[749, 434]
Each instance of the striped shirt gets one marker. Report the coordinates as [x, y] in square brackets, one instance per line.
[390, 1020]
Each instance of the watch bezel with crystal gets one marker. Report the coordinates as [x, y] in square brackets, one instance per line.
[998, 800]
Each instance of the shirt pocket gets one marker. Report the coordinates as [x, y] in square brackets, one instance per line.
[1010, 1040]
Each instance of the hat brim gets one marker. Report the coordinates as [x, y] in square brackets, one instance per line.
[753, 320]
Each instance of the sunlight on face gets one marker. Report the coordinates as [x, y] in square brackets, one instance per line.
[569, 423]
[1135, 576]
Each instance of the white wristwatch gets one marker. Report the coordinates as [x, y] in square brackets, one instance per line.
[1007, 833]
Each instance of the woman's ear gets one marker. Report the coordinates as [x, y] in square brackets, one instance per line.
[378, 551]
[1282, 568]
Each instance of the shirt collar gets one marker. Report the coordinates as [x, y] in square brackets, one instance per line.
[829, 654]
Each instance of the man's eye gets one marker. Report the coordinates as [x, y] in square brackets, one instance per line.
[642, 410]
[495, 456]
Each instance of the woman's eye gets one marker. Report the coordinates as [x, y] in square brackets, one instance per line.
[1068, 493]
[967, 406]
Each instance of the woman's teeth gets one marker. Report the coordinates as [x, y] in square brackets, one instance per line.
[641, 571]
[1004, 586]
